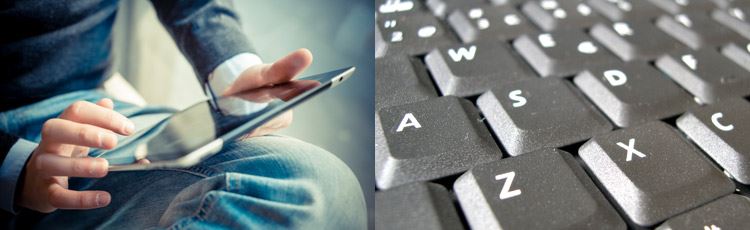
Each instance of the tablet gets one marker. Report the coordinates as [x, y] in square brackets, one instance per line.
[194, 134]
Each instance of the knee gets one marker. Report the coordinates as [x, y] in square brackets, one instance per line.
[335, 192]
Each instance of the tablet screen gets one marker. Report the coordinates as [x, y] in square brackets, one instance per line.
[222, 118]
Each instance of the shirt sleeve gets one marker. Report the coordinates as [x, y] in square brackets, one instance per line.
[228, 71]
[207, 32]
[10, 172]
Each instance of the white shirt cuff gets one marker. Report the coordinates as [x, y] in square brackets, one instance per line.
[228, 71]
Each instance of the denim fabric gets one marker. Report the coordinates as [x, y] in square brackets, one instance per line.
[269, 182]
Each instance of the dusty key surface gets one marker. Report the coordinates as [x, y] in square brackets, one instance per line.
[706, 74]
[729, 212]
[633, 93]
[491, 23]
[652, 173]
[722, 130]
[428, 140]
[401, 80]
[471, 69]
[533, 114]
[416, 206]
[544, 189]
[561, 54]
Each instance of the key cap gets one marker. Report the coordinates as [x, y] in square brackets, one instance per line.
[740, 55]
[729, 212]
[652, 173]
[534, 114]
[560, 15]
[400, 80]
[544, 189]
[412, 34]
[380, 45]
[494, 23]
[442, 8]
[429, 139]
[471, 69]
[415, 206]
[625, 10]
[681, 6]
[637, 40]
[706, 74]
[506, 2]
[721, 130]
[696, 30]
[397, 7]
[633, 93]
[562, 53]
[725, 4]
[735, 18]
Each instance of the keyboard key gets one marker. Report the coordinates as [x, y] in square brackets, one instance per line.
[625, 10]
[506, 2]
[471, 69]
[396, 7]
[639, 40]
[411, 34]
[416, 206]
[706, 74]
[697, 30]
[428, 140]
[735, 18]
[724, 4]
[442, 8]
[544, 189]
[400, 80]
[560, 15]
[681, 6]
[721, 130]
[740, 55]
[652, 173]
[380, 45]
[562, 53]
[493, 23]
[633, 93]
[534, 114]
[729, 212]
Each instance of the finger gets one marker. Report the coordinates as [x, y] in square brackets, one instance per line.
[106, 103]
[89, 113]
[56, 165]
[63, 198]
[59, 131]
[280, 122]
[279, 72]
[80, 151]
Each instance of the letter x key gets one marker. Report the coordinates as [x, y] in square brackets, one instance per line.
[631, 149]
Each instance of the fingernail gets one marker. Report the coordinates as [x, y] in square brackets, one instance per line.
[107, 140]
[99, 167]
[102, 199]
[128, 127]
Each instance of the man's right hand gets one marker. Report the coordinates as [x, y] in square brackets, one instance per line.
[63, 153]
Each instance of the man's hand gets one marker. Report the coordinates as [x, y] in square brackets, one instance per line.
[63, 152]
[264, 76]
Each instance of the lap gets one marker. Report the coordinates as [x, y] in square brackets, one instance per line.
[269, 181]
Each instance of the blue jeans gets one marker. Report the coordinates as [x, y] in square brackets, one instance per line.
[268, 182]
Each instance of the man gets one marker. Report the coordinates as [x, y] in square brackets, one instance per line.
[55, 54]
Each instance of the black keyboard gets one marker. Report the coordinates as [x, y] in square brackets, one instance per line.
[567, 114]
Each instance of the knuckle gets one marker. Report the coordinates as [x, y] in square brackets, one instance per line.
[48, 127]
[74, 109]
[82, 133]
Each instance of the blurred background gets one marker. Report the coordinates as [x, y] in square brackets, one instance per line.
[338, 32]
